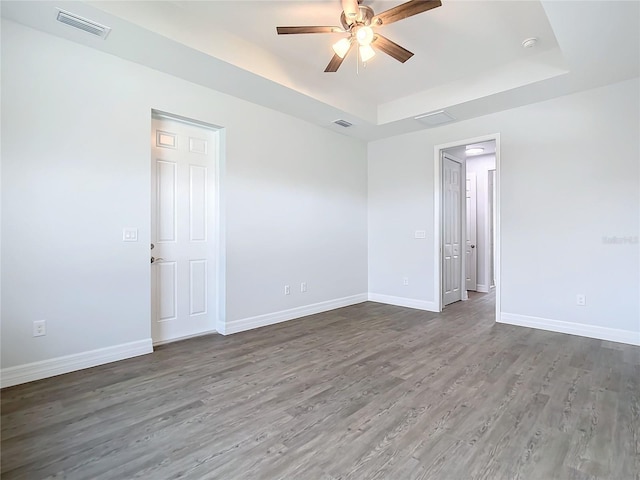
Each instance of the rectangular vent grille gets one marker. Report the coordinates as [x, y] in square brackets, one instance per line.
[435, 118]
[83, 24]
[343, 123]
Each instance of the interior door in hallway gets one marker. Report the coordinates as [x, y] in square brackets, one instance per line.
[471, 250]
[182, 229]
[452, 229]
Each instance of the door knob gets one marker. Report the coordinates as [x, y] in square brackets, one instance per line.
[473, 246]
[156, 260]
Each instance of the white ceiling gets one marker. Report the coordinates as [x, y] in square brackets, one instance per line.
[468, 55]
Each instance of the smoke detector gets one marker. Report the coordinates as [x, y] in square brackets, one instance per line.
[529, 42]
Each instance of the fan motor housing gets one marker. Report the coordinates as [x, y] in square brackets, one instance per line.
[364, 17]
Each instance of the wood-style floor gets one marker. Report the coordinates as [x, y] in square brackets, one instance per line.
[365, 392]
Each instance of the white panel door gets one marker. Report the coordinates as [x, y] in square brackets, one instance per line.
[471, 250]
[182, 229]
[452, 230]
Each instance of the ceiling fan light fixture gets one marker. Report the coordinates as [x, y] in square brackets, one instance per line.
[366, 53]
[364, 35]
[357, 21]
[342, 46]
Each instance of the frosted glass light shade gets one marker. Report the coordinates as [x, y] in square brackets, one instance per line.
[342, 47]
[364, 35]
[366, 52]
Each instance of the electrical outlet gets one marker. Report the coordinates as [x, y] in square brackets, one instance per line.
[287, 290]
[405, 281]
[39, 328]
[303, 287]
[581, 299]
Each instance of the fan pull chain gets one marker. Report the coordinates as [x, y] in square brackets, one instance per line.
[358, 60]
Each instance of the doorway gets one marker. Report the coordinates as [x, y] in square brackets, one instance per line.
[479, 223]
[184, 246]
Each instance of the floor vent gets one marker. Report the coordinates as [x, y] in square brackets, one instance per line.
[343, 123]
[83, 24]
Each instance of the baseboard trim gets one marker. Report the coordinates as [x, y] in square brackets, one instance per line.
[70, 363]
[482, 288]
[581, 329]
[250, 323]
[404, 302]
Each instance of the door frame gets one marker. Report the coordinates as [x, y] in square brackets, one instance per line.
[490, 228]
[219, 222]
[437, 217]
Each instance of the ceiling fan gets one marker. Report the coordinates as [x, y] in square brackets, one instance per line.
[359, 21]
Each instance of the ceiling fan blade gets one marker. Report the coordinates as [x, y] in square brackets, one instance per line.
[351, 10]
[404, 10]
[297, 30]
[336, 61]
[391, 48]
[334, 64]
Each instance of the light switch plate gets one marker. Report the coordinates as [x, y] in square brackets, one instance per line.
[129, 234]
[420, 234]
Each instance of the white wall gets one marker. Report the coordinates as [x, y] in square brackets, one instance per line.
[75, 159]
[569, 176]
[75, 170]
[400, 202]
[481, 165]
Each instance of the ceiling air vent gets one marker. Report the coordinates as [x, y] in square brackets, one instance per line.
[343, 123]
[83, 24]
[435, 118]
